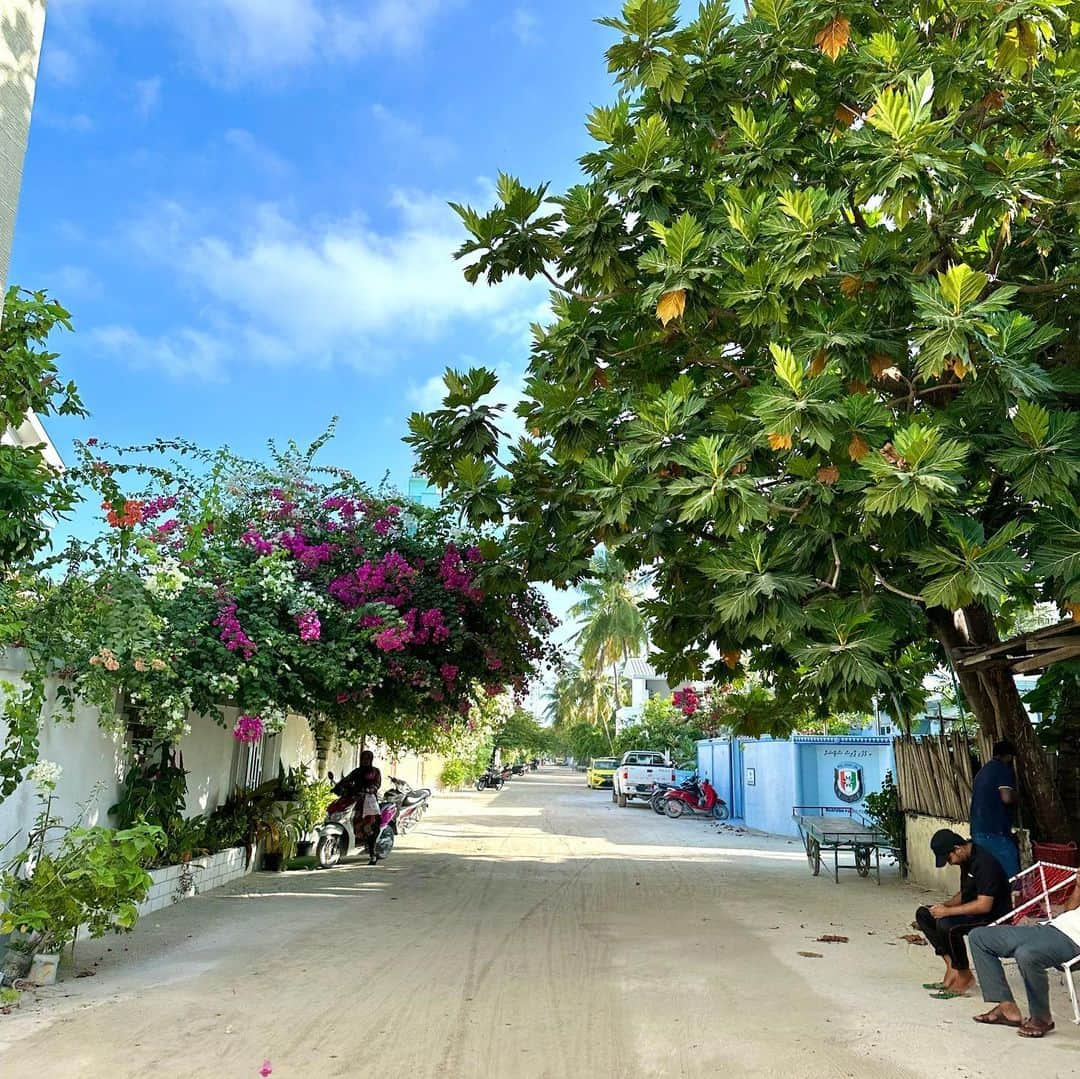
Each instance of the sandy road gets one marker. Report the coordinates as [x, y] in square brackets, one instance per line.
[536, 932]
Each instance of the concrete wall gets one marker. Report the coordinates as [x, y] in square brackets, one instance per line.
[770, 786]
[920, 857]
[820, 757]
[714, 764]
[22, 23]
[204, 875]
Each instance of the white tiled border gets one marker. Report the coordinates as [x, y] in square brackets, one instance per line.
[205, 873]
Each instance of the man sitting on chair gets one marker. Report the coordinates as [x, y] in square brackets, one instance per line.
[1034, 947]
[984, 897]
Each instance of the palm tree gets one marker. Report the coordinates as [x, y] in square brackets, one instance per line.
[612, 625]
[582, 695]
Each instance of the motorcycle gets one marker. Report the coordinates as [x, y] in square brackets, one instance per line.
[534, 765]
[656, 799]
[491, 778]
[706, 803]
[518, 769]
[340, 834]
[412, 803]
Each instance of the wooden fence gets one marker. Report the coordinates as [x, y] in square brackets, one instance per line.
[934, 773]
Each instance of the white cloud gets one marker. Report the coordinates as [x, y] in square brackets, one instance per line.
[403, 134]
[260, 156]
[237, 41]
[182, 353]
[525, 26]
[332, 292]
[78, 123]
[75, 282]
[147, 97]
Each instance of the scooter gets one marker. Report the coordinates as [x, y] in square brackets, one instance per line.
[340, 834]
[412, 803]
[705, 804]
[492, 779]
[518, 769]
[656, 799]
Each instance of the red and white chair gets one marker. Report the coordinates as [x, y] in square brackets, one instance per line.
[1038, 890]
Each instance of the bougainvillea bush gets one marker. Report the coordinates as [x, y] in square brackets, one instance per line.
[278, 588]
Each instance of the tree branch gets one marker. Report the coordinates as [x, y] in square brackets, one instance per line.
[892, 588]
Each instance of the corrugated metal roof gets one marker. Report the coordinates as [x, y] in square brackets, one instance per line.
[638, 668]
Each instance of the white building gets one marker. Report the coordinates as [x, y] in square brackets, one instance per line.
[645, 682]
[22, 23]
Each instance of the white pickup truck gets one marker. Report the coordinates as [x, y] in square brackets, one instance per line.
[638, 772]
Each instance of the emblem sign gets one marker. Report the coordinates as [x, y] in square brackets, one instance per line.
[848, 782]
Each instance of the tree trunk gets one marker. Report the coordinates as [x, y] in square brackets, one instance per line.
[1068, 763]
[324, 738]
[993, 697]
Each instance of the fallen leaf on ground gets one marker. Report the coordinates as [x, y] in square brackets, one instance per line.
[811, 955]
[913, 938]
[86, 974]
[832, 938]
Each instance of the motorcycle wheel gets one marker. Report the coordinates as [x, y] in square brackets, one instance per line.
[657, 802]
[674, 808]
[384, 844]
[498, 784]
[721, 811]
[481, 784]
[328, 852]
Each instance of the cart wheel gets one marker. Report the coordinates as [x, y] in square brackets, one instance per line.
[862, 861]
[813, 855]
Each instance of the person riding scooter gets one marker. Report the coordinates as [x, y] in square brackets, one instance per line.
[365, 779]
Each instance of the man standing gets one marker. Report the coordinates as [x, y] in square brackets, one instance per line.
[984, 897]
[993, 795]
[1034, 947]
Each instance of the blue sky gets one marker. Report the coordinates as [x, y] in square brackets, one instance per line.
[243, 204]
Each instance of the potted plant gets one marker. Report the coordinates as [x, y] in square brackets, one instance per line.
[93, 877]
[277, 832]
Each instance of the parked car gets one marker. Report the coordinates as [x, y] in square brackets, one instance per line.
[601, 772]
[638, 773]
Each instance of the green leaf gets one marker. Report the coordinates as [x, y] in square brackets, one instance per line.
[961, 286]
[788, 371]
[1032, 422]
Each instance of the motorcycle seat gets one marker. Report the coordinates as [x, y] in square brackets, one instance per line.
[415, 796]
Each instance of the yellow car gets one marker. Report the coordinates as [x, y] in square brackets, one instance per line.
[601, 772]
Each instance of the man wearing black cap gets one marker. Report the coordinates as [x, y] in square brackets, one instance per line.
[984, 897]
[993, 795]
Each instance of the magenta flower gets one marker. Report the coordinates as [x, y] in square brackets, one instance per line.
[248, 729]
[449, 672]
[309, 625]
[232, 633]
[392, 639]
[266, 1070]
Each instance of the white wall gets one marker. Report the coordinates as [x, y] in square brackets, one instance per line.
[22, 23]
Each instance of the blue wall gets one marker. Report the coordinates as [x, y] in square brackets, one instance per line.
[786, 773]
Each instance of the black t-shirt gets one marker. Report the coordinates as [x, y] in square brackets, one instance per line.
[982, 874]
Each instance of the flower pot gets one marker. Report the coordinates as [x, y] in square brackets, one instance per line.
[16, 965]
[304, 848]
[43, 968]
[271, 861]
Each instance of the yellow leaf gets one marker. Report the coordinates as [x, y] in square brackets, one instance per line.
[672, 305]
[959, 367]
[850, 285]
[833, 39]
[828, 475]
[1074, 610]
[856, 387]
[732, 659]
[780, 442]
[817, 364]
[858, 448]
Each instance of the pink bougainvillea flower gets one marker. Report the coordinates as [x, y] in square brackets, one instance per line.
[309, 625]
[248, 729]
[266, 1069]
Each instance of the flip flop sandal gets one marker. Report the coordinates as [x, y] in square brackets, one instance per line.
[946, 994]
[996, 1019]
[1034, 1030]
[933, 985]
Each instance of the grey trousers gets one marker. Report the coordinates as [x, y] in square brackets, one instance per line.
[1034, 947]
